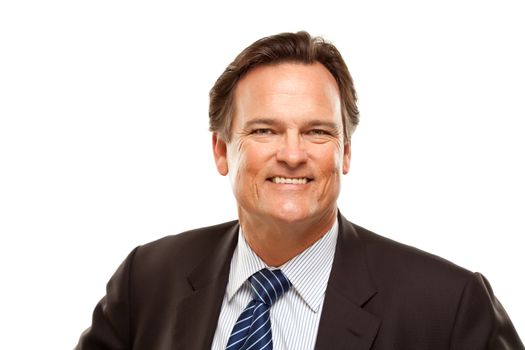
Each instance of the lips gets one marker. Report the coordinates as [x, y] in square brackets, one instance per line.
[290, 180]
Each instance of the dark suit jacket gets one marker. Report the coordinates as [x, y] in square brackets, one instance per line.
[380, 295]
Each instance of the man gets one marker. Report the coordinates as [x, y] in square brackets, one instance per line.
[292, 272]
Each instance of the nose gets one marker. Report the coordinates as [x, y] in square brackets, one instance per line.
[292, 151]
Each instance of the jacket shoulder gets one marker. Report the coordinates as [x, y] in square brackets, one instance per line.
[425, 299]
[402, 264]
[184, 249]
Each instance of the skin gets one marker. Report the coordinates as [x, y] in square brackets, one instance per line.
[287, 123]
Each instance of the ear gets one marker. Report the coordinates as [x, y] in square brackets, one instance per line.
[219, 153]
[346, 158]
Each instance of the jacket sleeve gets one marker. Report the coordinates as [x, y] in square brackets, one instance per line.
[110, 328]
[481, 322]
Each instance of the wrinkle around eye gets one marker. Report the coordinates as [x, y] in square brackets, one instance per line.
[321, 137]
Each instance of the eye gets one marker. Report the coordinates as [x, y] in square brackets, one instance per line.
[262, 132]
[318, 132]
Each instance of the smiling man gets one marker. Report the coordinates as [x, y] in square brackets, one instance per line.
[291, 272]
[286, 154]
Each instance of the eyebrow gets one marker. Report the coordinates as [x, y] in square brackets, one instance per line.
[272, 121]
[266, 121]
[326, 124]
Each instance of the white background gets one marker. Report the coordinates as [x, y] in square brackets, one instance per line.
[104, 142]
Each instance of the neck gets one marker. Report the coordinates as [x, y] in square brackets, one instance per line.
[276, 242]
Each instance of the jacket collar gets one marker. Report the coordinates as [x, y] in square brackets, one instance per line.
[197, 314]
[344, 323]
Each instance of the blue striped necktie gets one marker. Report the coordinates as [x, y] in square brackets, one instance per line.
[253, 330]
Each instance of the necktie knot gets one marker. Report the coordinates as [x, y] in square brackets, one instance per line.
[269, 285]
[253, 327]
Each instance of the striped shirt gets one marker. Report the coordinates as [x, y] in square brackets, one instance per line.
[295, 316]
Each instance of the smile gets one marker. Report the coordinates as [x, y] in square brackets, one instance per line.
[289, 180]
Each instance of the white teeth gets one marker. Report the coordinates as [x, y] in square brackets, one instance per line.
[287, 180]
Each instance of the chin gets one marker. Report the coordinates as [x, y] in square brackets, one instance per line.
[290, 213]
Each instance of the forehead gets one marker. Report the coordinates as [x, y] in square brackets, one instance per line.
[287, 88]
[291, 78]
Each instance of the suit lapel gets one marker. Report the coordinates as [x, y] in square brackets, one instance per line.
[198, 312]
[344, 323]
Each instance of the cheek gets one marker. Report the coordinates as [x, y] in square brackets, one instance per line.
[247, 160]
[330, 161]
[257, 155]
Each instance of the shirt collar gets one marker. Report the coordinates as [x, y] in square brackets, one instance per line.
[244, 263]
[308, 272]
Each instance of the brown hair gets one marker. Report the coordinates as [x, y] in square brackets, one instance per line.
[297, 47]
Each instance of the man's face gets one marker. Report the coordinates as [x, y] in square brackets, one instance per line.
[287, 152]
